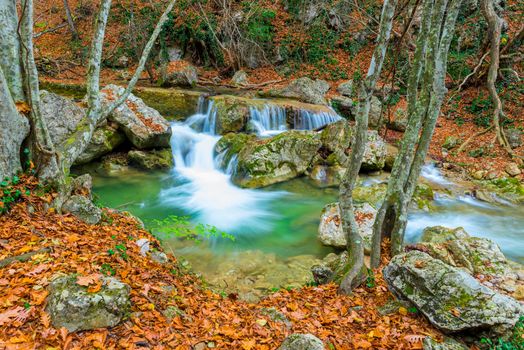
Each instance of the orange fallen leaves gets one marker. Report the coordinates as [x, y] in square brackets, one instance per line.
[202, 317]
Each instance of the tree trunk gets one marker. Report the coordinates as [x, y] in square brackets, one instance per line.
[424, 108]
[70, 23]
[10, 49]
[356, 270]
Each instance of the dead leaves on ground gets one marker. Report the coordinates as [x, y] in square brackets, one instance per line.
[202, 316]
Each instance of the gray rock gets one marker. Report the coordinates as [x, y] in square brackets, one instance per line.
[73, 307]
[159, 257]
[450, 298]
[330, 231]
[151, 160]
[181, 75]
[301, 342]
[82, 185]
[451, 142]
[326, 176]
[83, 209]
[143, 126]
[143, 244]
[239, 78]
[344, 106]
[305, 90]
[448, 344]
[232, 113]
[375, 113]
[514, 137]
[330, 269]
[400, 120]
[280, 158]
[345, 88]
[104, 140]
[276, 316]
[375, 152]
[512, 169]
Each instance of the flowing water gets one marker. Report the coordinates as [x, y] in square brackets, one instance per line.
[279, 221]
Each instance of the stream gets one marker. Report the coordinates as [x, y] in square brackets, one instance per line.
[275, 227]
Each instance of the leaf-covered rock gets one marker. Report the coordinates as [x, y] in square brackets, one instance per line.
[74, 307]
[301, 342]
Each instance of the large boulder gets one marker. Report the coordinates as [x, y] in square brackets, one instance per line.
[143, 126]
[151, 160]
[280, 158]
[232, 113]
[104, 140]
[229, 146]
[346, 88]
[375, 152]
[330, 230]
[75, 307]
[399, 121]
[455, 247]
[301, 342]
[375, 113]
[83, 208]
[303, 89]
[449, 297]
[179, 73]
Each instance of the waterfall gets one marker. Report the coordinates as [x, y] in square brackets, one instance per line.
[269, 120]
[205, 191]
[309, 120]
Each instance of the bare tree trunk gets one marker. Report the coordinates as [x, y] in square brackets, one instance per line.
[70, 22]
[10, 49]
[425, 98]
[355, 273]
[495, 32]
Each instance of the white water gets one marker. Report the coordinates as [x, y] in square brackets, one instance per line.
[431, 173]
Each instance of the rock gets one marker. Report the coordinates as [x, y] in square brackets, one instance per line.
[179, 73]
[391, 156]
[514, 137]
[174, 53]
[143, 126]
[239, 78]
[330, 228]
[478, 175]
[232, 113]
[326, 176]
[113, 163]
[301, 342]
[375, 152]
[104, 140]
[479, 256]
[276, 316]
[122, 62]
[66, 121]
[303, 89]
[400, 120]
[82, 186]
[375, 113]
[448, 344]
[143, 244]
[519, 292]
[229, 146]
[159, 257]
[373, 194]
[151, 160]
[451, 142]
[346, 88]
[83, 208]
[330, 268]
[512, 169]
[344, 106]
[70, 305]
[451, 299]
[172, 311]
[280, 158]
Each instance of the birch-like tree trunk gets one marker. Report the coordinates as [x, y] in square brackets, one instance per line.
[355, 270]
[426, 92]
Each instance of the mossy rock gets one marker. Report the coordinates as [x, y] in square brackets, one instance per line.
[151, 160]
[232, 113]
[230, 145]
[173, 104]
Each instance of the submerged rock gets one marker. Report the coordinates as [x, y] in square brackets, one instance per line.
[83, 208]
[151, 160]
[305, 90]
[330, 230]
[302, 342]
[104, 140]
[280, 158]
[72, 306]
[143, 126]
[449, 297]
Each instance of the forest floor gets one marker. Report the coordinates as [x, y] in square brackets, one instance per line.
[64, 245]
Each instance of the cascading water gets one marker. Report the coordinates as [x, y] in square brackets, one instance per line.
[269, 120]
[309, 120]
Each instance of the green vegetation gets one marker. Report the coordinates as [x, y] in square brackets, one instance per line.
[180, 227]
[515, 341]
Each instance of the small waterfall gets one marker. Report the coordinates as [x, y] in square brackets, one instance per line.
[310, 120]
[269, 120]
[205, 118]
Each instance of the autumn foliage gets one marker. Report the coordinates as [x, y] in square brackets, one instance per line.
[63, 244]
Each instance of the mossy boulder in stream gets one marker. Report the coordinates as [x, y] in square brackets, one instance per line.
[449, 297]
[74, 307]
[232, 113]
[229, 146]
[330, 230]
[280, 158]
[151, 160]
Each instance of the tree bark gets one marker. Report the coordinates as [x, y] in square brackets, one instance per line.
[70, 22]
[425, 95]
[10, 49]
[356, 270]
